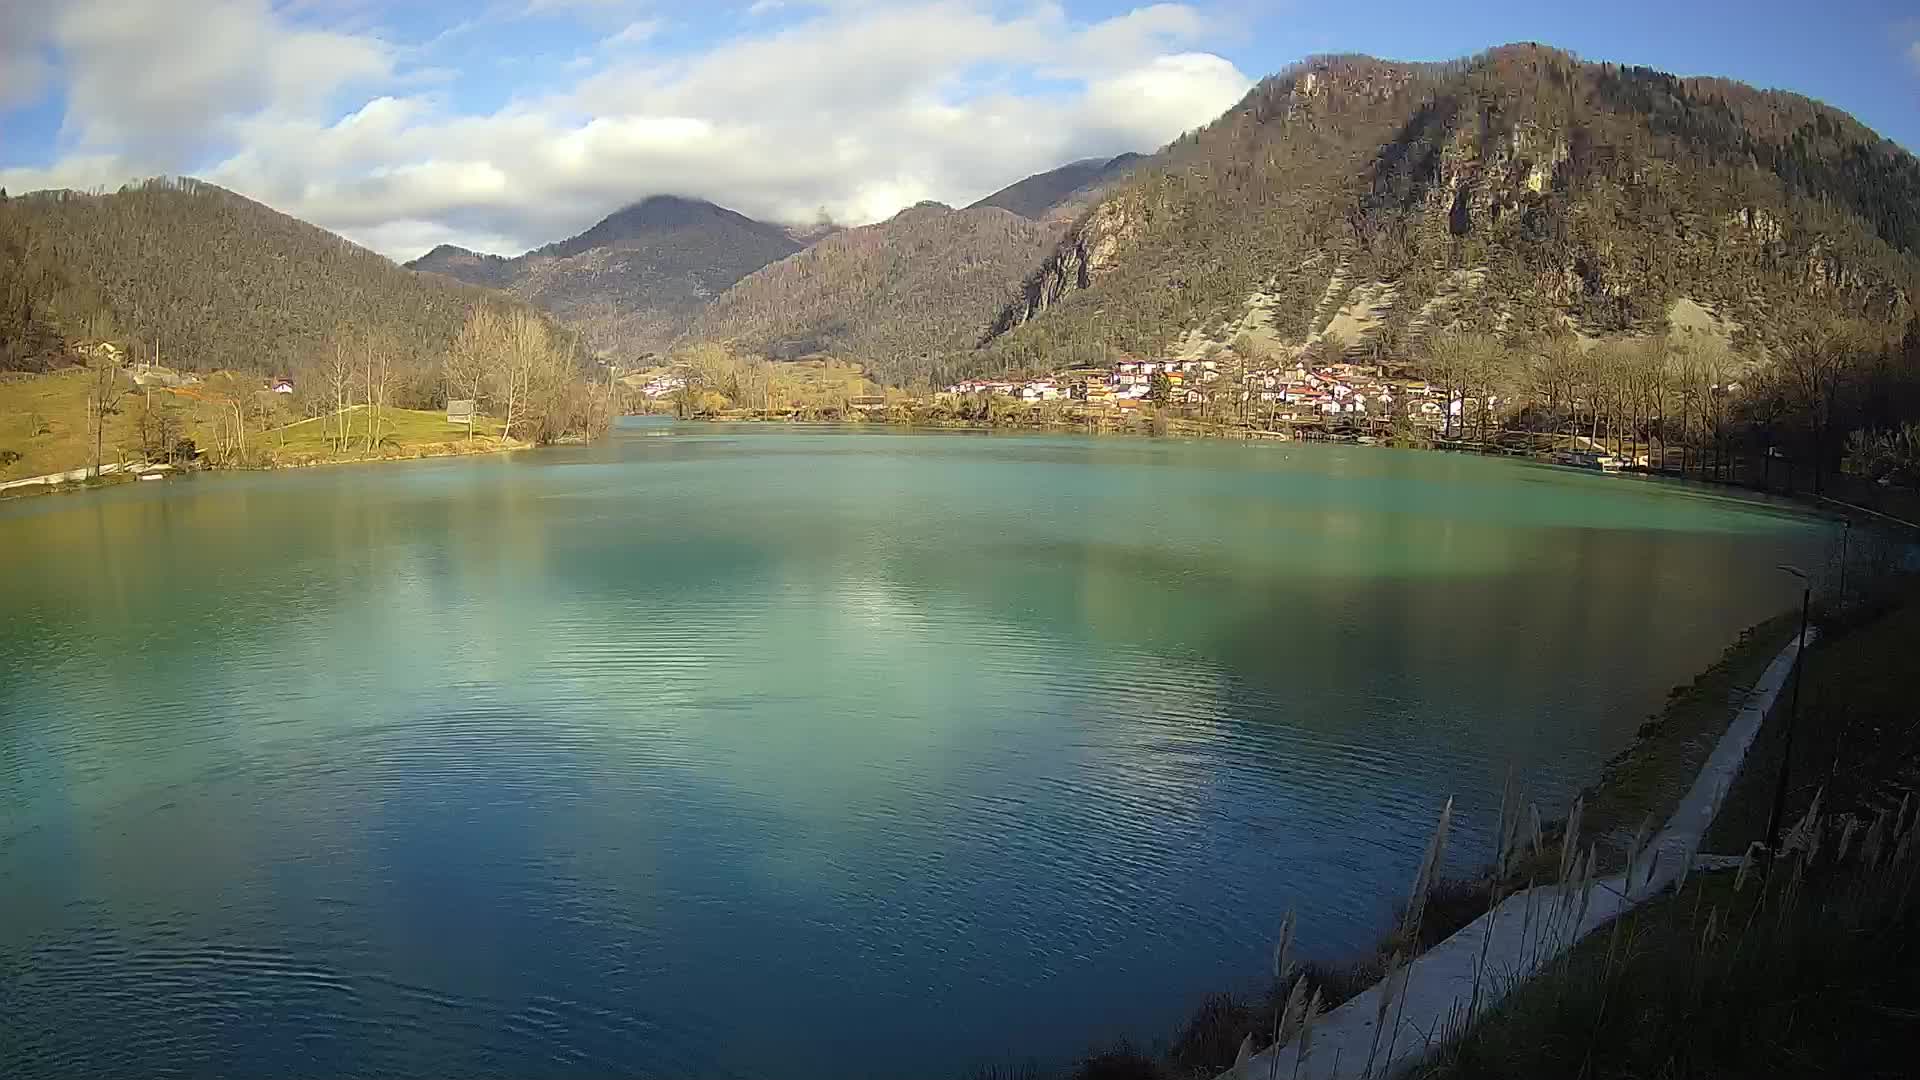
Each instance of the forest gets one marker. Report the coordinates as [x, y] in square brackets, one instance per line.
[208, 279]
[1839, 399]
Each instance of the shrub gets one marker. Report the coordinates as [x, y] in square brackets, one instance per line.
[1122, 1062]
[1212, 1036]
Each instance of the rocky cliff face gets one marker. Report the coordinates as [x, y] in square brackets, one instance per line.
[1091, 246]
[1478, 180]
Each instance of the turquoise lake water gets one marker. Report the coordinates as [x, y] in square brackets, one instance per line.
[709, 752]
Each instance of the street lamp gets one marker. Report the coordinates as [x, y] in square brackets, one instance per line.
[1793, 712]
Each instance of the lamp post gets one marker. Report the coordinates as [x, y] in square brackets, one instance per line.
[1793, 714]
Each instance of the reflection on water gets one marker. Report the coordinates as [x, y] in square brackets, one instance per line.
[720, 752]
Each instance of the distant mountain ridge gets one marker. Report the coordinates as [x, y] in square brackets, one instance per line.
[637, 278]
[471, 267]
[1060, 193]
[924, 282]
[640, 278]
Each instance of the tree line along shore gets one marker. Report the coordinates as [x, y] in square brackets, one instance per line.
[509, 379]
[1826, 413]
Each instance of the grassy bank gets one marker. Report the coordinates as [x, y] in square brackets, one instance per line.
[45, 428]
[397, 434]
[1647, 780]
[1810, 972]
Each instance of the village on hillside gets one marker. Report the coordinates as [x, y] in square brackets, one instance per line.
[1295, 394]
[1338, 398]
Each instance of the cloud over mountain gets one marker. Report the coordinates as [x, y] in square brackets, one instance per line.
[504, 129]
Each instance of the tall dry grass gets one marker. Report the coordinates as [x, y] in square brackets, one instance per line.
[1801, 963]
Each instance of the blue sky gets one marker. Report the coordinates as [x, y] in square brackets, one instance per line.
[502, 124]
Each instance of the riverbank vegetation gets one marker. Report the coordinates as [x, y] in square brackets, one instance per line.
[1830, 411]
[713, 382]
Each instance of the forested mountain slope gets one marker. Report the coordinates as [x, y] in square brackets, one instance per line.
[216, 280]
[635, 280]
[1062, 192]
[924, 282]
[1521, 192]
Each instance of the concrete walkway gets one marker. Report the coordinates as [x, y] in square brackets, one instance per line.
[1470, 972]
[75, 475]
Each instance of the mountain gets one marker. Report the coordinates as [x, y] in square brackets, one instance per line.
[471, 267]
[216, 280]
[1521, 192]
[1062, 192]
[926, 281]
[635, 280]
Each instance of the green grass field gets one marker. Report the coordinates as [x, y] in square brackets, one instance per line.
[401, 433]
[43, 420]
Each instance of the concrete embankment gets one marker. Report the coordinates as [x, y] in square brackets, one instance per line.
[72, 476]
[1470, 972]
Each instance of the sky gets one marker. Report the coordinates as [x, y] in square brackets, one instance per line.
[501, 125]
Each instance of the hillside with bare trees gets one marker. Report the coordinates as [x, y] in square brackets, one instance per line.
[634, 281]
[922, 283]
[1521, 193]
[211, 280]
[1060, 194]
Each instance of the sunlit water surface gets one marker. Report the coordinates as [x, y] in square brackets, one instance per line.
[756, 753]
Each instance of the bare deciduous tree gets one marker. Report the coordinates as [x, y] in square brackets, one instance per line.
[470, 360]
[107, 383]
[338, 366]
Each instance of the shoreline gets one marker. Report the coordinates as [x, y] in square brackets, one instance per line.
[1180, 428]
[114, 474]
[1654, 778]
[1464, 977]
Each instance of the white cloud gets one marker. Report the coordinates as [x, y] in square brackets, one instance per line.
[637, 32]
[151, 77]
[1913, 55]
[859, 108]
[23, 63]
[81, 172]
